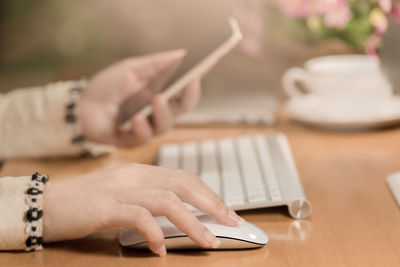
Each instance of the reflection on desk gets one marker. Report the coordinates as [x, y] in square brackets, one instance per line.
[293, 231]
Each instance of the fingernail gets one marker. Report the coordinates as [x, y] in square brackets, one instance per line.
[216, 244]
[212, 240]
[162, 251]
[236, 218]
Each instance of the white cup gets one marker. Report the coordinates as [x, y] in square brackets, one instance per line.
[338, 76]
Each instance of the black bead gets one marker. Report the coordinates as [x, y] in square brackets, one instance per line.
[45, 179]
[35, 176]
[70, 118]
[78, 139]
[76, 89]
[40, 178]
[33, 191]
[33, 241]
[71, 106]
[34, 228]
[34, 214]
[85, 153]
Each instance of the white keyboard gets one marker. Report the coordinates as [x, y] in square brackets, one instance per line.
[248, 172]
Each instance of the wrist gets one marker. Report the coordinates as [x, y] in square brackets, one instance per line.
[34, 215]
[80, 116]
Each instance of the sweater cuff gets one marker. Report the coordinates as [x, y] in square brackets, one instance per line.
[21, 205]
[71, 120]
[42, 122]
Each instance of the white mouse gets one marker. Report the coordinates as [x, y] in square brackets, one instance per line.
[246, 235]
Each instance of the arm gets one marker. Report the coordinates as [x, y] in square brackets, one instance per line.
[58, 119]
[126, 196]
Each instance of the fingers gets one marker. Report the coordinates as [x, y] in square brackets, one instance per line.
[164, 111]
[167, 203]
[161, 65]
[143, 129]
[187, 100]
[161, 191]
[141, 133]
[193, 190]
[162, 118]
[174, 209]
[139, 218]
[162, 115]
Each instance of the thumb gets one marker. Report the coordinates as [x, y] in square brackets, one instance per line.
[158, 68]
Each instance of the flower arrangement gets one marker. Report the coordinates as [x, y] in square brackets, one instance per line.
[360, 23]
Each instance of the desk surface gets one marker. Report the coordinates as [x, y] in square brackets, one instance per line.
[354, 222]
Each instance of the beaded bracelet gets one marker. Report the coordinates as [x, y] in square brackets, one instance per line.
[71, 116]
[33, 216]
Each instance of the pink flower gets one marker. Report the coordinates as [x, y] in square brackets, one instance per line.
[396, 10]
[385, 5]
[338, 13]
[372, 43]
[338, 17]
[250, 17]
[306, 8]
[378, 20]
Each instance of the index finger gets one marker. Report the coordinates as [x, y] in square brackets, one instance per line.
[191, 189]
[157, 69]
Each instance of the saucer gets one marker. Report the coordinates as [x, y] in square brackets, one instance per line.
[345, 113]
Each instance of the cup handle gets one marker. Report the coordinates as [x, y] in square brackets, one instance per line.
[290, 78]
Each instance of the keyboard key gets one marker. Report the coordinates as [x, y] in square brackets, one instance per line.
[257, 197]
[267, 168]
[234, 201]
[169, 156]
[251, 172]
[209, 166]
[231, 180]
[284, 166]
[189, 157]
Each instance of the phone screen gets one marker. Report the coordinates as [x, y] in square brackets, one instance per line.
[199, 43]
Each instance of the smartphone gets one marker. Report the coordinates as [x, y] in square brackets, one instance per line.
[200, 58]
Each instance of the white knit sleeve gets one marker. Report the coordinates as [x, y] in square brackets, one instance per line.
[21, 212]
[42, 122]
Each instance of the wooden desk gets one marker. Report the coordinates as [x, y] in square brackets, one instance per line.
[355, 220]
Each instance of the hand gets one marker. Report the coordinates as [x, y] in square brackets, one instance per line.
[101, 99]
[129, 196]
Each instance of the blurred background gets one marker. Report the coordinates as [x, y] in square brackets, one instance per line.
[44, 41]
